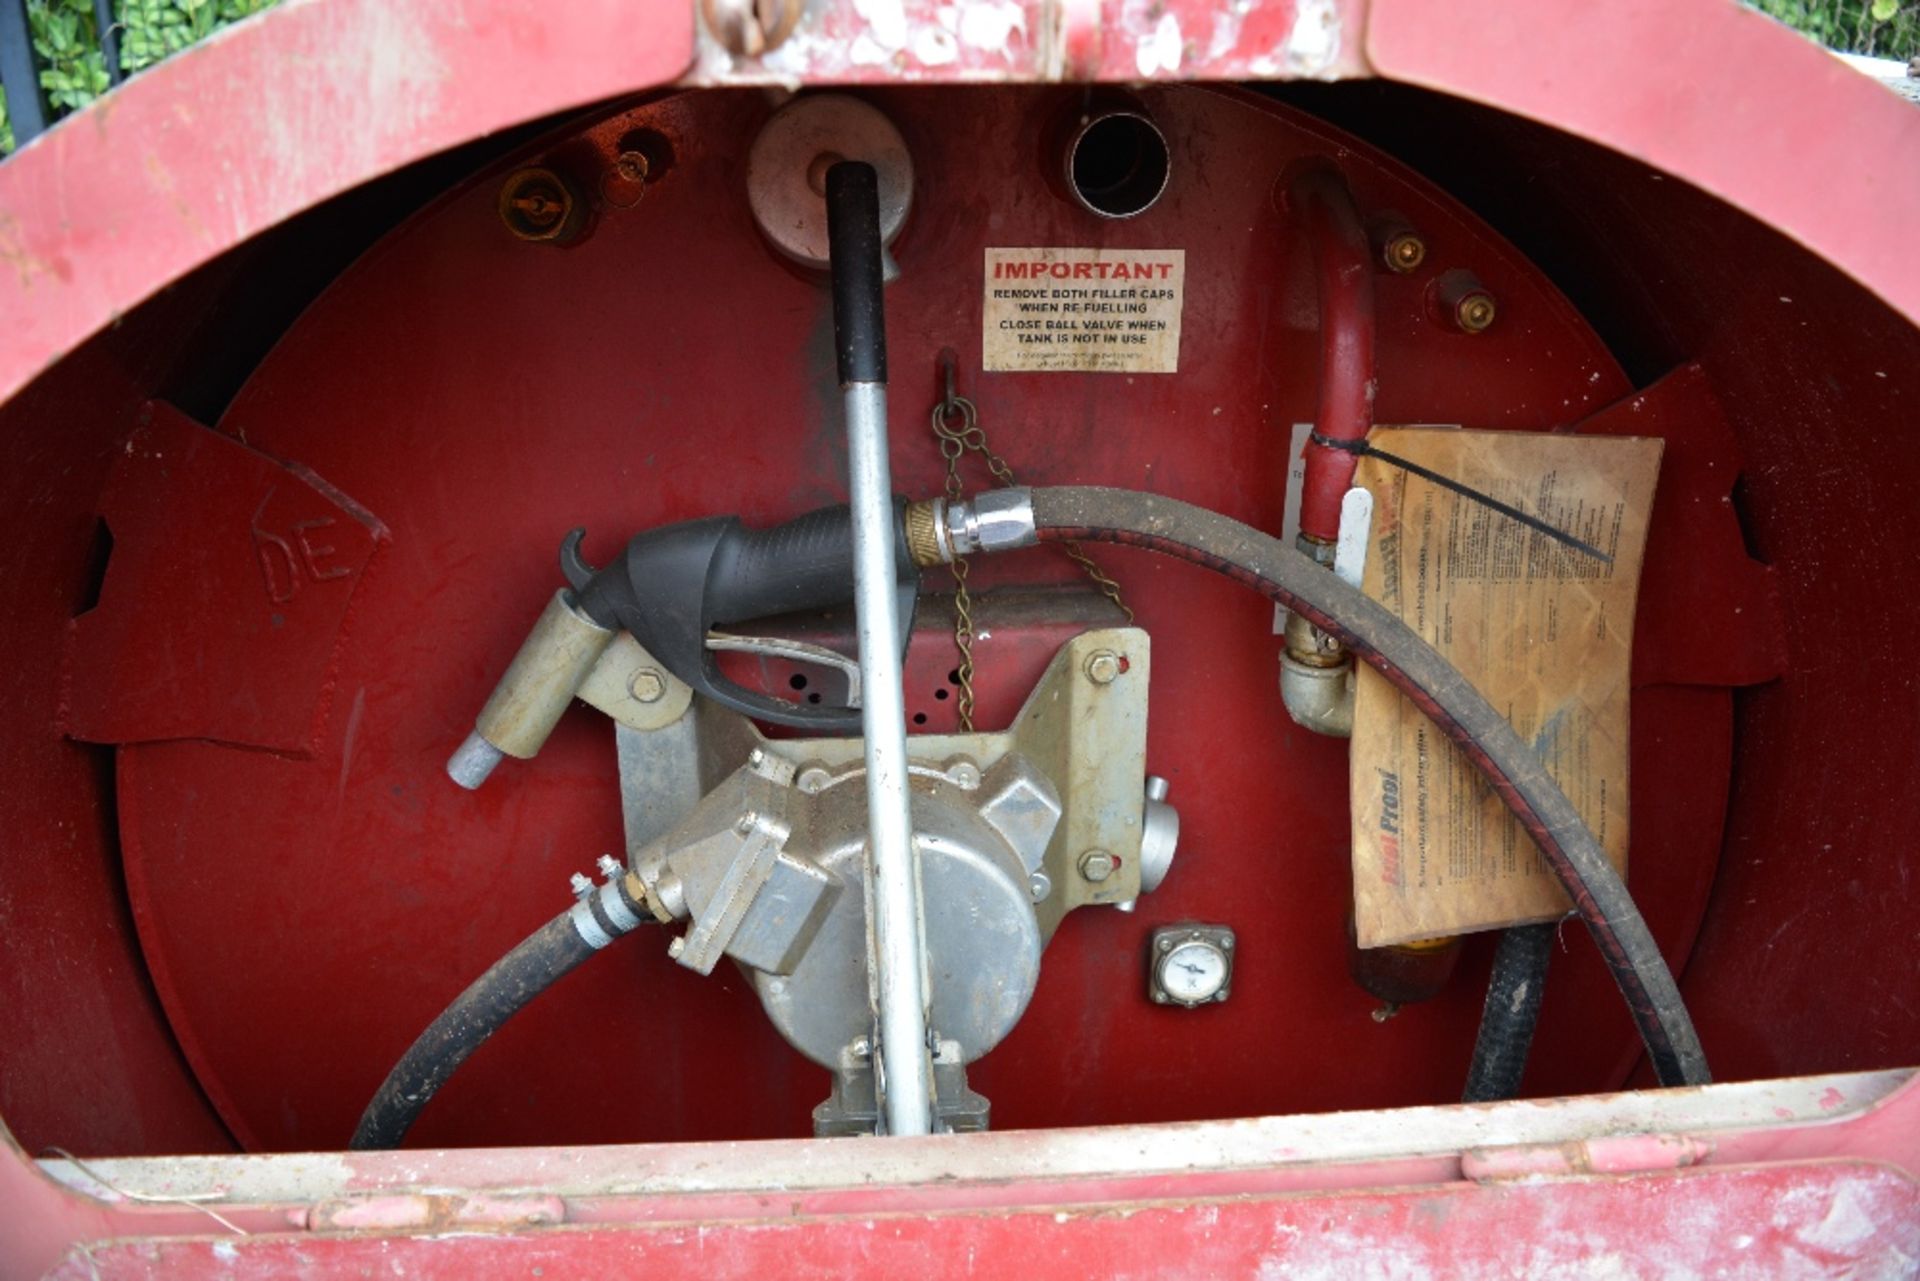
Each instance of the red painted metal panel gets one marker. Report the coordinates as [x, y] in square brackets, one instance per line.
[231, 576]
[409, 883]
[1689, 105]
[274, 116]
[1818, 1220]
[1712, 92]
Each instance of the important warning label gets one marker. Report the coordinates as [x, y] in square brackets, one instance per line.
[1083, 310]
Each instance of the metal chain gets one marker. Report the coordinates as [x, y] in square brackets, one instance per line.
[956, 424]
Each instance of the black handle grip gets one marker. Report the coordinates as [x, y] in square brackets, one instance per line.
[803, 564]
[859, 272]
[672, 585]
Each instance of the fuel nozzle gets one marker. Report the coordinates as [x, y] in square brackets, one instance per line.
[670, 587]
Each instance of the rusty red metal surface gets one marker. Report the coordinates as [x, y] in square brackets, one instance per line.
[1815, 1220]
[1793, 1178]
[1710, 93]
[378, 843]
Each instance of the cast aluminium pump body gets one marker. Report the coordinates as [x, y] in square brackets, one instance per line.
[1013, 830]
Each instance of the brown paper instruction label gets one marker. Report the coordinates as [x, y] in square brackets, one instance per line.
[1543, 630]
[1083, 310]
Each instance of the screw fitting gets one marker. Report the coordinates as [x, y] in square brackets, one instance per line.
[538, 205]
[1404, 252]
[1103, 666]
[1097, 865]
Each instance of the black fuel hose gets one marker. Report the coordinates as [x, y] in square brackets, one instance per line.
[1512, 1012]
[1448, 698]
[542, 959]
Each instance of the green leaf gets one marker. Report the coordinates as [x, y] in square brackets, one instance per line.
[1883, 10]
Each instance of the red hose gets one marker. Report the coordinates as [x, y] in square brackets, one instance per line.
[1343, 274]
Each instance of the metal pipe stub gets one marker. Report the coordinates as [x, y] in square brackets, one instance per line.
[536, 690]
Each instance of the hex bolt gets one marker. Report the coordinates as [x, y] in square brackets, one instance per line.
[610, 867]
[1160, 998]
[1097, 865]
[813, 780]
[1404, 252]
[962, 772]
[749, 28]
[1166, 945]
[1474, 313]
[1104, 667]
[536, 204]
[861, 1048]
[647, 685]
[746, 822]
[675, 947]
[581, 885]
[1457, 297]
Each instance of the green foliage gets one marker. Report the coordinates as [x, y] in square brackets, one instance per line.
[1883, 28]
[73, 71]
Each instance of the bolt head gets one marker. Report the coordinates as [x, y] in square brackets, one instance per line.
[1159, 998]
[964, 773]
[675, 947]
[647, 686]
[610, 867]
[746, 822]
[1039, 885]
[1097, 865]
[581, 885]
[862, 1048]
[1405, 252]
[1104, 667]
[813, 780]
[1474, 313]
[632, 166]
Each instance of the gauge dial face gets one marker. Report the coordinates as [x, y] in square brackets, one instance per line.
[1193, 972]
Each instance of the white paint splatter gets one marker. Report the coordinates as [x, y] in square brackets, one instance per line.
[865, 51]
[1161, 50]
[933, 47]
[886, 22]
[1226, 29]
[988, 27]
[1846, 1225]
[1314, 43]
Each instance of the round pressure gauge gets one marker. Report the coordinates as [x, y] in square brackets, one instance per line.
[1190, 964]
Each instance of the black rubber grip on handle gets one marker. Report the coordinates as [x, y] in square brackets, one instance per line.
[803, 564]
[856, 263]
[670, 586]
